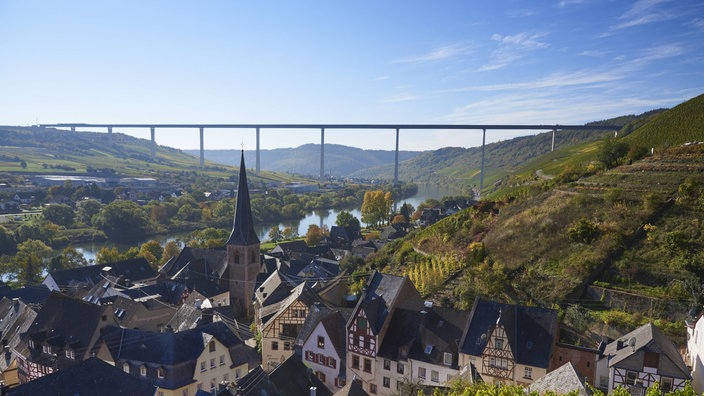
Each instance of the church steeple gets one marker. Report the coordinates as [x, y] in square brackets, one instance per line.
[243, 233]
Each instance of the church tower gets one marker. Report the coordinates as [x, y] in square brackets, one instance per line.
[243, 258]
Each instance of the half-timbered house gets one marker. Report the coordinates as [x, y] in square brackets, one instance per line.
[639, 359]
[506, 343]
[369, 324]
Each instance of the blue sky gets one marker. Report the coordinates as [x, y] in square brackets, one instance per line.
[405, 61]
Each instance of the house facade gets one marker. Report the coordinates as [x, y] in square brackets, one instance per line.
[323, 348]
[508, 344]
[695, 351]
[639, 359]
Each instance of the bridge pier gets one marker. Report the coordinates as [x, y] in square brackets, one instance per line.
[153, 143]
[258, 164]
[110, 134]
[552, 148]
[481, 172]
[322, 153]
[396, 161]
[202, 149]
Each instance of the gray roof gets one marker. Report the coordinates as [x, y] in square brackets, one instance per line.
[561, 381]
[243, 233]
[292, 378]
[15, 319]
[629, 352]
[531, 331]
[353, 388]
[89, 377]
[137, 269]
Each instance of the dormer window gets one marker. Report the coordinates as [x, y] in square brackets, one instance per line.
[46, 349]
[70, 354]
[447, 359]
[143, 371]
[499, 343]
[126, 367]
[211, 346]
[31, 344]
[160, 372]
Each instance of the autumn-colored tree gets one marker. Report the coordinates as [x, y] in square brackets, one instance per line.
[275, 234]
[71, 258]
[152, 252]
[314, 235]
[289, 233]
[30, 259]
[376, 207]
[110, 255]
[171, 249]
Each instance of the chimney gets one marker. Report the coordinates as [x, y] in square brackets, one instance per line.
[313, 390]
[619, 345]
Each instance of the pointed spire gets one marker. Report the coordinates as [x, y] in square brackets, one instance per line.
[243, 227]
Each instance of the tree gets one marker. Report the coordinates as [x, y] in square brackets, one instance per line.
[30, 259]
[87, 209]
[376, 207]
[69, 258]
[121, 219]
[289, 233]
[208, 238]
[314, 235]
[171, 249]
[8, 244]
[152, 252]
[407, 211]
[275, 234]
[60, 214]
[347, 220]
[110, 255]
[611, 151]
[583, 231]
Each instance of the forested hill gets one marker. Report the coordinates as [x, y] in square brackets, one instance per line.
[460, 166]
[339, 160]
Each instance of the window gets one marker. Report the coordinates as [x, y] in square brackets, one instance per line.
[238, 373]
[46, 349]
[367, 365]
[126, 367]
[528, 373]
[331, 363]
[321, 376]
[321, 342]
[387, 364]
[499, 343]
[184, 392]
[212, 362]
[211, 346]
[399, 368]
[160, 372]
[274, 345]
[421, 372]
[70, 354]
[310, 356]
[222, 359]
[665, 384]
[372, 389]
[355, 361]
[31, 344]
[631, 377]
[321, 359]
[160, 393]
[361, 323]
[202, 366]
[387, 382]
[434, 376]
[212, 384]
[367, 343]
[287, 345]
[143, 371]
[447, 359]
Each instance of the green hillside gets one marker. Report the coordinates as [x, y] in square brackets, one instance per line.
[634, 229]
[682, 124]
[46, 150]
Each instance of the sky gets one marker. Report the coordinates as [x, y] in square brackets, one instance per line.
[345, 62]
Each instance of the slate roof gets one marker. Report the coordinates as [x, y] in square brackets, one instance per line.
[137, 269]
[320, 268]
[530, 330]
[256, 383]
[629, 350]
[200, 270]
[179, 351]
[243, 233]
[33, 294]
[15, 319]
[274, 289]
[353, 388]
[293, 378]
[561, 381]
[170, 292]
[56, 325]
[380, 297]
[89, 377]
[284, 249]
[145, 315]
[428, 333]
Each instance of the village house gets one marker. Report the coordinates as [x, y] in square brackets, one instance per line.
[15, 318]
[180, 363]
[62, 334]
[368, 326]
[508, 344]
[695, 349]
[639, 359]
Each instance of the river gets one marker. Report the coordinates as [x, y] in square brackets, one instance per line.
[318, 217]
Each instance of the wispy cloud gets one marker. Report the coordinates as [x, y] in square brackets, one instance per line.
[402, 97]
[641, 13]
[567, 3]
[512, 48]
[593, 53]
[439, 54]
[584, 78]
[380, 78]
[698, 23]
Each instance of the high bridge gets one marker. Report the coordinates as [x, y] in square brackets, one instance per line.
[323, 127]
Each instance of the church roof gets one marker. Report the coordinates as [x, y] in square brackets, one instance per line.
[243, 233]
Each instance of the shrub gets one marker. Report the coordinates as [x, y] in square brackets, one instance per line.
[584, 231]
